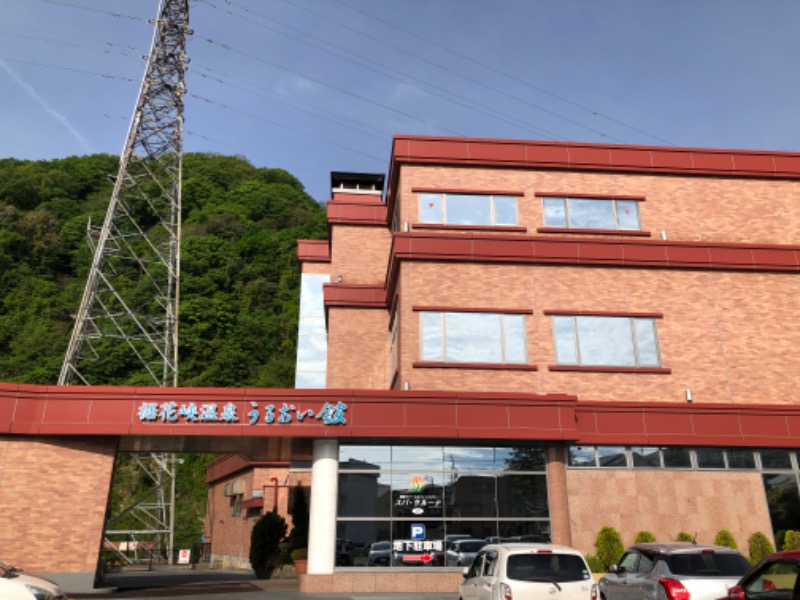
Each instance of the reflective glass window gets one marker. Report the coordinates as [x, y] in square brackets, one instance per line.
[468, 209]
[710, 458]
[606, 341]
[581, 456]
[364, 457]
[417, 496]
[522, 496]
[775, 458]
[364, 495]
[591, 213]
[470, 496]
[741, 459]
[465, 337]
[612, 456]
[646, 456]
[677, 458]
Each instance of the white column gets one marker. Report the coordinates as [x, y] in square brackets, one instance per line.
[322, 512]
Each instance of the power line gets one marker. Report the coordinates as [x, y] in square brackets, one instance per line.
[72, 69]
[457, 73]
[284, 126]
[97, 10]
[386, 71]
[506, 74]
[71, 44]
[326, 84]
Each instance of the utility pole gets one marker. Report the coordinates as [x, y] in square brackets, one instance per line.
[127, 322]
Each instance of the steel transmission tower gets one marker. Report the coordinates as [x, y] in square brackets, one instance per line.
[127, 322]
[128, 316]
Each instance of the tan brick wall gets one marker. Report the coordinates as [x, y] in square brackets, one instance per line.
[358, 348]
[359, 254]
[665, 503]
[725, 335]
[47, 486]
[687, 208]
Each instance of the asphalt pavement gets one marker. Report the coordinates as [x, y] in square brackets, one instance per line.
[219, 585]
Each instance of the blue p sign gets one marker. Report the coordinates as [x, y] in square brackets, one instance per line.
[417, 531]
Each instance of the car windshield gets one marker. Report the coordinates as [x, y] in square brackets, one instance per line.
[722, 564]
[379, 546]
[546, 567]
[471, 546]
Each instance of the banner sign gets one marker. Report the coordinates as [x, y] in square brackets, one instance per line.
[170, 412]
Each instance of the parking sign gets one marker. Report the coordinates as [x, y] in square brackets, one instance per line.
[417, 531]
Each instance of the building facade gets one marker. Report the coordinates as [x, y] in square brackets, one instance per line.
[499, 339]
[537, 340]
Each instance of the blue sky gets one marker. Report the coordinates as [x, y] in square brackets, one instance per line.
[315, 86]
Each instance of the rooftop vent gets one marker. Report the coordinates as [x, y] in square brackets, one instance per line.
[357, 183]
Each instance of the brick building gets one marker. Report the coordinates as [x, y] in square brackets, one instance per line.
[541, 339]
[500, 339]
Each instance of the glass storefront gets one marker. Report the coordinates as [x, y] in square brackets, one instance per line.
[405, 505]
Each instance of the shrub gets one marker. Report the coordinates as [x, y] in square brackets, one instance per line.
[595, 564]
[644, 537]
[791, 540]
[298, 537]
[725, 538]
[759, 547]
[609, 547]
[267, 534]
[684, 537]
[299, 554]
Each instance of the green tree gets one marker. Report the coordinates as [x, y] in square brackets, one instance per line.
[298, 537]
[609, 546]
[725, 538]
[684, 537]
[265, 538]
[791, 540]
[759, 547]
[644, 537]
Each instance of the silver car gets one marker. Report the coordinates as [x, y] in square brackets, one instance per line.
[461, 552]
[673, 571]
[528, 572]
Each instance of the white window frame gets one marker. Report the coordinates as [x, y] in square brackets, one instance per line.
[491, 198]
[504, 341]
[614, 208]
[576, 346]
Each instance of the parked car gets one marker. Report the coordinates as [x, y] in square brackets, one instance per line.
[528, 572]
[774, 578]
[461, 552]
[673, 571]
[18, 585]
[380, 554]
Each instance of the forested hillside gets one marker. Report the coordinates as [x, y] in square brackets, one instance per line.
[239, 280]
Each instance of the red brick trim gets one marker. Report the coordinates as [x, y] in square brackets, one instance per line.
[353, 295]
[589, 196]
[621, 232]
[510, 311]
[600, 313]
[503, 228]
[423, 364]
[476, 247]
[432, 190]
[598, 369]
[414, 415]
[314, 251]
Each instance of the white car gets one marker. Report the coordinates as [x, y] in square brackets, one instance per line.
[516, 571]
[17, 585]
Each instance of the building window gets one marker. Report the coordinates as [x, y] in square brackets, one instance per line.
[390, 494]
[468, 209]
[606, 341]
[591, 213]
[236, 505]
[312, 338]
[473, 337]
